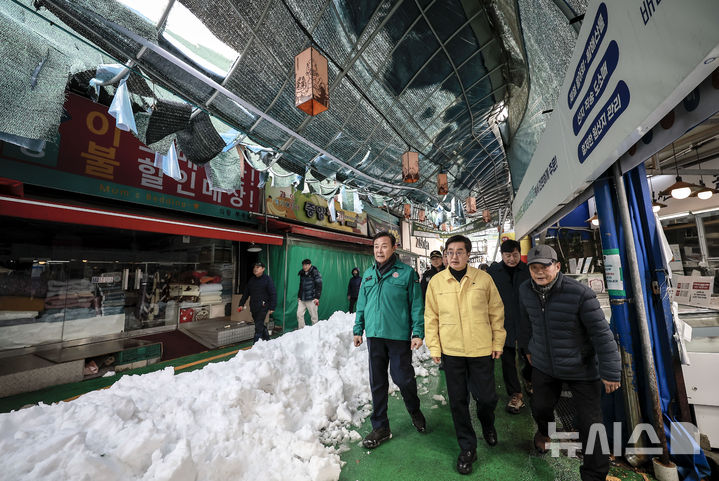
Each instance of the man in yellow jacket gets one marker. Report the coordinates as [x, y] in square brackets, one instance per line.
[464, 328]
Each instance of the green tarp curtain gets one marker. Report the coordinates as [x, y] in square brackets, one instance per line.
[335, 265]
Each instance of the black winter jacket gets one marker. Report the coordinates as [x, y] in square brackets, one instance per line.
[262, 294]
[568, 335]
[427, 276]
[353, 287]
[508, 287]
[310, 284]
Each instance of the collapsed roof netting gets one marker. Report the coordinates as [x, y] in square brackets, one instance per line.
[420, 75]
[548, 57]
[37, 61]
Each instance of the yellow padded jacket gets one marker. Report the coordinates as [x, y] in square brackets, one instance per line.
[463, 318]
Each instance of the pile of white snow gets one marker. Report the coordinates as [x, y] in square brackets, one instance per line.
[282, 410]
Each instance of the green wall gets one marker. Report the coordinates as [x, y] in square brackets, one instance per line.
[335, 265]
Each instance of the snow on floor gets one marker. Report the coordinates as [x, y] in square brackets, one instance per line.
[281, 410]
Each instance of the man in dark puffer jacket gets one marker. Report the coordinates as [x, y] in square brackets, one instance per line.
[508, 275]
[568, 340]
[353, 289]
[309, 292]
[263, 299]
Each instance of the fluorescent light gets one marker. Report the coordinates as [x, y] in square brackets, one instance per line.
[704, 211]
[674, 216]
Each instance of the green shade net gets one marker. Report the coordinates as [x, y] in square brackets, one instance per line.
[335, 266]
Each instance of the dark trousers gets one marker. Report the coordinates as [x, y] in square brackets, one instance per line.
[465, 374]
[509, 370]
[353, 303]
[398, 355]
[586, 397]
[261, 331]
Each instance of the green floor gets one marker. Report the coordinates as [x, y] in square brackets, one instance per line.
[409, 455]
[412, 456]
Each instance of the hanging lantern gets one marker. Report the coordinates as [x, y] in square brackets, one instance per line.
[420, 215]
[443, 227]
[407, 211]
[486, 215]
[410, 167]
[442, 184]
[311, 88]
[471, 205]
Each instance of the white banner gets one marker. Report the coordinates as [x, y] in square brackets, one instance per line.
[633, 62]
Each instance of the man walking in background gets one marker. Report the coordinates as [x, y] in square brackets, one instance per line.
[568, 340]
[508, 275]
[353, 289]
[309, 292]
[464, 319]
[263, 300]
[435, 258]
[390, 312]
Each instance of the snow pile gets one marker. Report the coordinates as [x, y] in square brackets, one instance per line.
[264, 414]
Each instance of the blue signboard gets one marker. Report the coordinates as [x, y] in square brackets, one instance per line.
[599, 29]
[617, 103]
[599, 82]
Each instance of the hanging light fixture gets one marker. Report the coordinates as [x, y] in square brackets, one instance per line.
[442, 184]
[254, 248]
[704, 192]
[410, 167]
[594, 220]
[420, 215]
[311, 86]
[486, 215]
[655, 205]
[407, 211]
[679, 189]
[471, 205]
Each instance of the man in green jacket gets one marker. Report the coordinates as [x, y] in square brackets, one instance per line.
[391, 312]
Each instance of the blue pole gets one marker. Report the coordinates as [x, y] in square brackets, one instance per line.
[614, 259]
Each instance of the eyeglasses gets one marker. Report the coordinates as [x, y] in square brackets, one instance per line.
[458, 253]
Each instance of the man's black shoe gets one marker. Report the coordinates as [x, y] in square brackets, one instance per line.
[540, 442]
[376, 437]
[465, 460]
[490, 435]
[420, 424]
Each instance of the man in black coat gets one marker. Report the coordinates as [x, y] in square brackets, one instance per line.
[568, 341]
[435, 258]
[309, 292]
[508, 275]
[263, 299]
[353, 289]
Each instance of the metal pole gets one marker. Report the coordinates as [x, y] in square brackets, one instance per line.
[284, 300]
[502, 220]
[640, 308]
